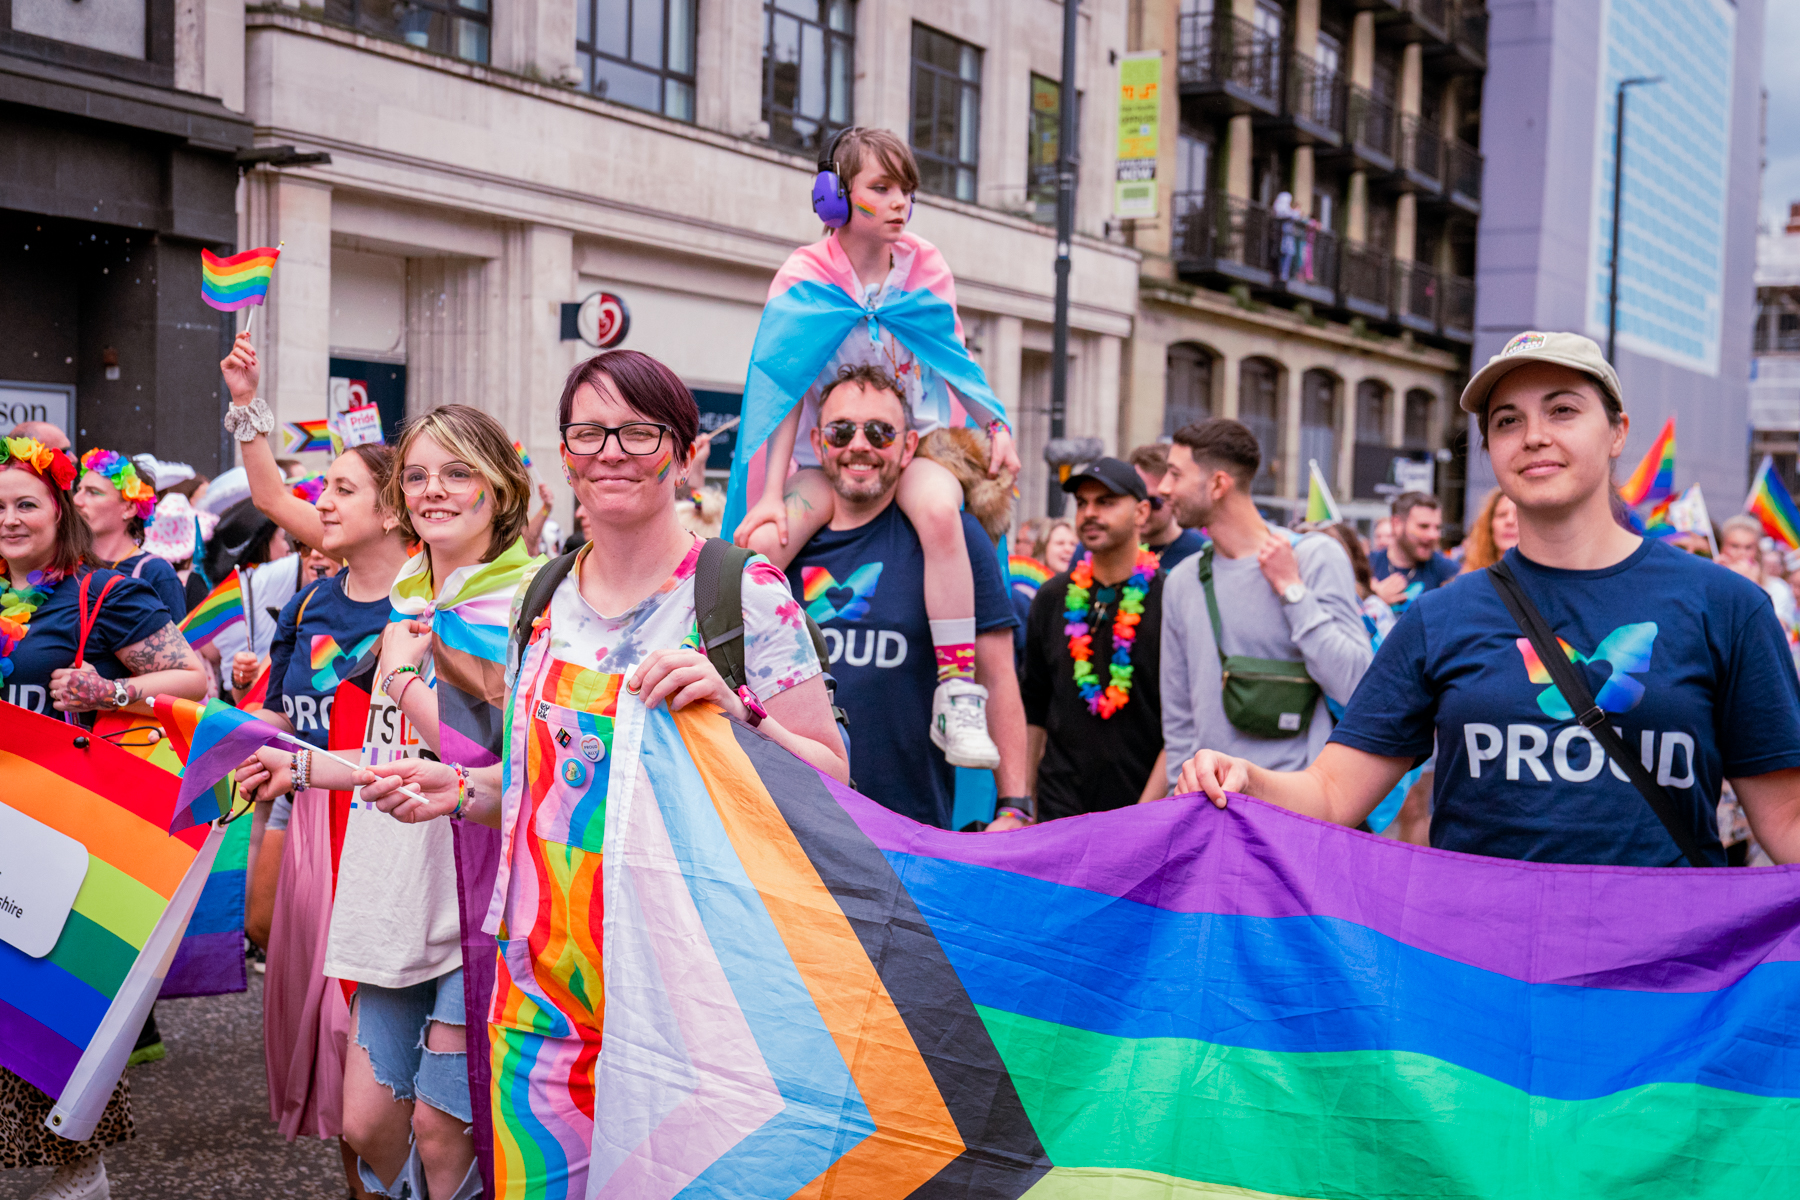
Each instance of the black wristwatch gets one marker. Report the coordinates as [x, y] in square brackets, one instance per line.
[1024, 806]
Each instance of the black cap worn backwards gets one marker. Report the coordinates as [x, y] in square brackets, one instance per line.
[1115, 475]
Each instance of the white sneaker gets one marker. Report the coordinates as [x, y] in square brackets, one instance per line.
[83, 1180]
[959, 725]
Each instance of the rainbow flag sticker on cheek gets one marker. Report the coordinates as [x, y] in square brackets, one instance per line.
[229, 284]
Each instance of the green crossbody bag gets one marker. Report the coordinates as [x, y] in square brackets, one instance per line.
[1264, 697]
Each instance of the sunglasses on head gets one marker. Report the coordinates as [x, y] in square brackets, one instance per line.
[838, 434]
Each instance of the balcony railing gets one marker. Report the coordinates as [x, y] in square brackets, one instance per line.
[1363, 274]
[1776, 340]
[1213, 229]
[1369, 122]
[1421, 148]
[1416, 294]
[1217, 53]
[1457, 310]
[1314, 93]
[1464, 173]
[1432, 12]
[1469, 30]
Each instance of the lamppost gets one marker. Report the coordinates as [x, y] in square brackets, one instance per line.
[1066, 158]
[1612, 290]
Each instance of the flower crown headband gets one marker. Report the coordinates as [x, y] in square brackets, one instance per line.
[52, 466]
[124, 476]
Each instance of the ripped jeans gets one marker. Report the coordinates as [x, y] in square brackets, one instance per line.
[391, 1025]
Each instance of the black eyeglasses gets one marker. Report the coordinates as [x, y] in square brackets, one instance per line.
[838, 434]
[638, 438]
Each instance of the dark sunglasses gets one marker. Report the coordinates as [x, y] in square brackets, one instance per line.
[838, 434]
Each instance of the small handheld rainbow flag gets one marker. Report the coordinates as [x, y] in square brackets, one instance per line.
[222, 608]
[303, 437]
[1770, 503]
[1654, 479]
[229, 284]
[1319, 503]
[211, 739]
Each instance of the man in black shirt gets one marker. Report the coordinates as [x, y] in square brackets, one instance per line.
[1095, 741]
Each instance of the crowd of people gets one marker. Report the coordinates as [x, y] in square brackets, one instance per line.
[1168, 639]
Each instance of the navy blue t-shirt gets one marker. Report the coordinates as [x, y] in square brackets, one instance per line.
[1434, 572]
[1688, 655]
[1190, 543]
[130, 613]
[866, 589]
[147, 568]
[318, 649]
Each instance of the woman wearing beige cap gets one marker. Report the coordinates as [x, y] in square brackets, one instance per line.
[1674, 673]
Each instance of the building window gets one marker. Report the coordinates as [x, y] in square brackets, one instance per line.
[638, 52]
[1319, 423]
[1193, 154]
[946, 112]
[1187, 394]
[809, 55]
[458, 28]
[1259, 409]
[1372, 408]
[1418, 419]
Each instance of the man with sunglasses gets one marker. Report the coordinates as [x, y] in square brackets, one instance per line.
[862, 578]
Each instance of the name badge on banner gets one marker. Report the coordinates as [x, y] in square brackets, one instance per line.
[41, 870]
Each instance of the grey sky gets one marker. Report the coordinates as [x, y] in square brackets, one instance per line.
[1781, 48]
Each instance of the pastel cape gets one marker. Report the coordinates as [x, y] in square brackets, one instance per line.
[812, 307]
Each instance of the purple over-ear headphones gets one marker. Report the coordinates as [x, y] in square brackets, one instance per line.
[831, 191]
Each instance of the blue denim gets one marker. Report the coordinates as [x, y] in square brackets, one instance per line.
[391, 1025]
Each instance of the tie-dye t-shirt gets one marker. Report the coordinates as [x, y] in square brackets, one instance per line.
[1686, 656]
[319, 638]
[778, 652]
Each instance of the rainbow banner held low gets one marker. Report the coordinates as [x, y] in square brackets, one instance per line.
[229, 284]
[1770, 503]
[221, 608]
[69, 1019]
[809, 995]
[211, 739]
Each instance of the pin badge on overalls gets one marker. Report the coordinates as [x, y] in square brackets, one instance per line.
[591, 747]
[563, 738]
[574, 772]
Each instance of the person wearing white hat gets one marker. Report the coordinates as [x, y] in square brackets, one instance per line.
[178, 536]
[1659, 675]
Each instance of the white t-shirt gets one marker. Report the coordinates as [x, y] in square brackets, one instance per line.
[271, 585]
[394, 921]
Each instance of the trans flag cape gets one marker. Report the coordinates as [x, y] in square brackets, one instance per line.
[469, 622]
[807, 994]
[116, 902]
[813, 305]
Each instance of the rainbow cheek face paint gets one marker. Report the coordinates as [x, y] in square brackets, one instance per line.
[663, 467]
[480, 503]
[568, 468]
[864, 209]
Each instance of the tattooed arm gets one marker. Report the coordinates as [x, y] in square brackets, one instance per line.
[161, 664]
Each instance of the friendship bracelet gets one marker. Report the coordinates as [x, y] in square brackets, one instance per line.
[387, 680]
[403, 687]
[462, 790]
[1017, 812]
[302, 770]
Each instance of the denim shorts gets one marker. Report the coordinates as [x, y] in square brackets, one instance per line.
[391, 1024]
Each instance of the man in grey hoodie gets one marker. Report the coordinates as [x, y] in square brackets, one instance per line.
[1280, 596]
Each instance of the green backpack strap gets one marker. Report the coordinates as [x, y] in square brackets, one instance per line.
[1205, 566]
[719, 615]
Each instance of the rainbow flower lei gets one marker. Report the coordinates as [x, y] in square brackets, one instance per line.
[1104, 702]
[124, 476]
[17, 603]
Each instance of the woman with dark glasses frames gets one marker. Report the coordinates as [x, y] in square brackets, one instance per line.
[621, 620]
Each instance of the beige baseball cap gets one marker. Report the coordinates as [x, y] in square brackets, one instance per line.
[1564, 349]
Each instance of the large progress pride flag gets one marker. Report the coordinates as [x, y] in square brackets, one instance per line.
[807, 994]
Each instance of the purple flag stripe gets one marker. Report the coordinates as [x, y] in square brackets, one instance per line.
[32, 1050]
[219, 760]
[206, 964]
[1634, 928]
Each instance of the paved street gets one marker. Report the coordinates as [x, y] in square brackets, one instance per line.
[203, 1128]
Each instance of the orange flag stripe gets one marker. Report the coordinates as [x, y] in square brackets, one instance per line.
[111, 834]
[915, 1136]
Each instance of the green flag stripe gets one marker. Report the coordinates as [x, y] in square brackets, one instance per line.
[93, 954]
[1374, 1124]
